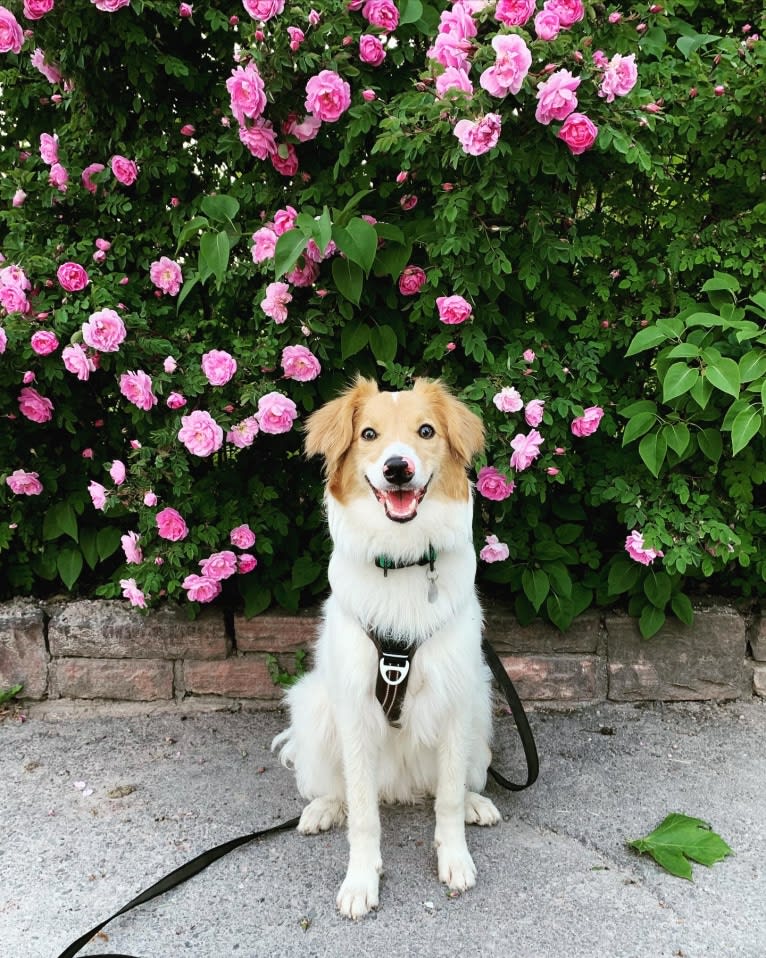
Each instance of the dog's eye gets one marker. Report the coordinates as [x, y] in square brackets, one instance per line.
[369, 434]
[426, 431]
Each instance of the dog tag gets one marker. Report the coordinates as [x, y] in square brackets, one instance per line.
[433, 592]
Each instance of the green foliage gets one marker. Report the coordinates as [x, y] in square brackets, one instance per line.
[281, 677]
[680, 840]
[6, 695]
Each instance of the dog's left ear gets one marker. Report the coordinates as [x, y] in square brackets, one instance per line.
[330, 430]
[464, 430]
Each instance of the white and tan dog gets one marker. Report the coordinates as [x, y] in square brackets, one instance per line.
[399, 507]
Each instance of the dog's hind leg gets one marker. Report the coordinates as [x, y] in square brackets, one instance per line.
[479, 810]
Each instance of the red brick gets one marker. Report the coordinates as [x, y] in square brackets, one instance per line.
[242, 676]
[758, 640]
[583, 637]
[759, 680]
[275, 631]
[134, 680]
[23, 656]
[562, 678]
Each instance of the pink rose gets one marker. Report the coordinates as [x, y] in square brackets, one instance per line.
[14, 275]
[117, 472]
[304, 274]
[58, 177]
[494, 550]
[569, 12]
[411, 281]
[13, 299]
[110, 6]
[49, 148]
[11, 34]
[218, 566]
[150, 498]
[244, 433]
[479, 137]
[247, 92]
[23, 483]
[131, 548]
[458, 21]
[218, 366]
[556, 98]
[297, 36]
[578, 132]
[199, 588]
[19, 198]
[34, 406]
[508, 399]
[300, 364]
[528, 355]
[36, 9]
[303, 130]
[263, 10]
[259, 138]
[169, 364]
[451, 50]
[511, 65]
[175, 401]
[170, 525]
[533, 412]
[124, 170]
[104, 331]
[77, 361]
[166, 275]
[547, 25]
[132, 593]
[264, 244]
[453, 78]
[493, 485]
[98, 494]
[619, 77]
[3, 340]
[50, 71]
[274, 304]
[525, 449]
[242, 537]
[44, 342]
[284, 220]
[136, 387]
[286, 165]
[88, 172]
[381, 13]
[200, 433]
[72, 277]
[246, 563]
[328, 96]
[634, 546]
[514, 13]
[453, 310]
[371, 50]
[587, 424]
[276, 413]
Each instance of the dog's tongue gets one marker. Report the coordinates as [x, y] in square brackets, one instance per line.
[401, 503]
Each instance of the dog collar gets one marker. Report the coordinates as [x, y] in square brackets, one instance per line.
[385, 562]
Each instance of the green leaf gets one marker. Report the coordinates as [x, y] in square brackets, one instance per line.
[646, 339]
[214, 250]
[679, 840]
[568, 532]
[11, 693]
[682, 608]
[353, 339]
[678, 380]
[745, 426]
[187, 287]
[752, 365]
[623, 575]
[60, 520]
[108, 541]
[383, 343]
[683, 351]
[536, 586]
[636, 426]
[677, 436]
[721, 280]
[710, 443]
[323, 230]
[560, 579]
[641, 406]
[88, 544]
[652, 450]
[348, 278]
[392, 259]
[690, 44]
[69, 563]
[220, 207]
[724, 375]
[410, 11]
[651, 620]
[547, 551]
[289, 247]
[305, 571]
[657, 589]
[560, 612]
[192, 228]
[359, 242]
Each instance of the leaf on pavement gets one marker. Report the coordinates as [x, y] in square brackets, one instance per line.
[680, 840]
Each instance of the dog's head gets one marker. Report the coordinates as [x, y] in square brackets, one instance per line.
[396, 446]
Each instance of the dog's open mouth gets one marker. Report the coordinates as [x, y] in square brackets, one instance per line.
[401, 503]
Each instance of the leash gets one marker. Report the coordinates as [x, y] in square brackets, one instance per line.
[202, 861]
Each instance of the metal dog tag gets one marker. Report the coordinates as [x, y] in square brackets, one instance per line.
[433, 591]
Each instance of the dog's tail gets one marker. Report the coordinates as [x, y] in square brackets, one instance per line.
[284, 745]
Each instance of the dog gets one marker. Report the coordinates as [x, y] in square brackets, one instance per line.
[402, 607]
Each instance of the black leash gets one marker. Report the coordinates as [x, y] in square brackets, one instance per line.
[201, 862]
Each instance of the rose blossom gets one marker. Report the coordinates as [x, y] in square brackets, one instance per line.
[284, 220]
[132, 593]
[547, 25]
[494, 550]
[136, 387]
[218, 366]
[150, 498]
[371, 50]
[220, 565]
[556, 98]
[533, 413]
[453, 78]
[327, 96]
[514, 13]
[587, 424]
[11, 34]
[579, 133]
[259, 138]
[264, 244]
[300, 364]
[50, 71]
[3, 340]
[242, 537]
[58, 177]
[508, 399]
[124, 170]
[201, 589]
[381, 13]
[98, 494]
[166, 275]
[88, 172]
[479, 137]
[18, 199]
[246, 563]
[511, 65]
[286, 165]
[304, 274]
[453, 310]
[200, 433]
[35, 407]
[24, 483]
[525, 449]
[44, 342]
[170, 525]
[263, 10]
[104, 331]
[110, 6]
[492, 484]
[49, 148]
[569, 12]
[297, 36]
[169, 364]
[13, 300]
[303, 130]
[36, 9]
[276, 413]
[411, 281]
[72, 277]
[247, 92]
[528, 355]
[175, 401]
[634, 546]
[131, 548]
[243, 434]
[14, 275]
[619, 77]
[274, 304]
[77, 361]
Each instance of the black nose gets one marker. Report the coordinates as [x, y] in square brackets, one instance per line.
[397, 470]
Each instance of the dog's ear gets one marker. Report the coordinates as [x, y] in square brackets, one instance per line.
[464, 430]
[330, 430]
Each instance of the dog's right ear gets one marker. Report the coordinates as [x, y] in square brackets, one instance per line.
[330, 430]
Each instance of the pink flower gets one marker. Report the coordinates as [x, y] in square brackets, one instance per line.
[508, 399]
[242, 537]
[247, 92]
[14, 275]
[286, 165]
[276, 413]
[244, 433]
[104, 331]
[526, 449]
[3, 340]
[170, 525]
[50, 71]
[381, 13]
[34, 406]
[528, 355]
[198, 587]
[369, 95]
[284, 220]
[117, 472]
[77, 361]
[169, 364]
[218, 366]
[328, 96]
[556, 98]
[304, 274]
[58, 177]
[13, 299]
[166, 275]
[150, 499]
[18, 199]
[514, 13]
[110, 6]
[185, 10]
[98, 494]
[11, 34]
[297, 36]
[220, 565]
[533, 413]
[125, 171]
[587, 424]
[49, 148]
[453, 310]
[453, 78]
[614, 17]
[451, 50]
[175, 401]
[44, 342]
[246, 563]
[264, 244]
[569, 12]
[300, 364]
[263, 10]
[479, 137]
[136, 387]
[24, 483]
[88, 172]
[492, 484]
[459, 22]
[132, 593]
[510, 68]
[547, 25]
[619, 77]
[303, 130]
[36, 9]
[494, 550]
[634, 546]
[411, 281]
[274, 304]
[259, 138]
[552, 471]
[131, 548]
[200, 433]
[371, 50]
[578, 132]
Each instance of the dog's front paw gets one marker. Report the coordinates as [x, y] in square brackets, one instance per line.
[479, 810]
[456, 868]
[320, 814]
[358, 894]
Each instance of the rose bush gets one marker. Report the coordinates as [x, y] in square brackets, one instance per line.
[212, 215]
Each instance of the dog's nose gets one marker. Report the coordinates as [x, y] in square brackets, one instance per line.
[397, 470]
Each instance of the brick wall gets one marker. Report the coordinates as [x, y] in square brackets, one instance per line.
[99, 650]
